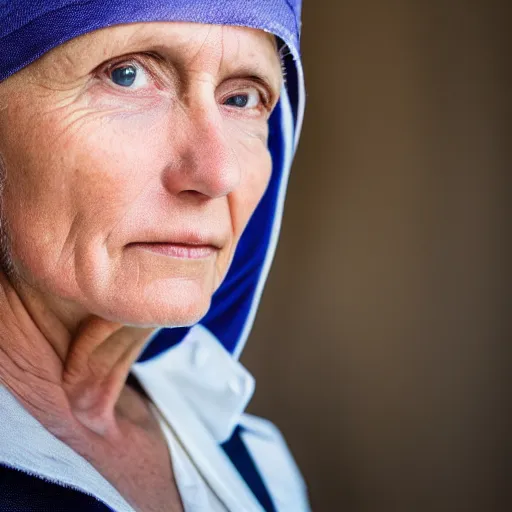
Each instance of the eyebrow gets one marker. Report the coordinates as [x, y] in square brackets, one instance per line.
[258, 73]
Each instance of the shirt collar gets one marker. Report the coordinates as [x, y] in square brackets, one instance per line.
[27, 446]
[215, 385]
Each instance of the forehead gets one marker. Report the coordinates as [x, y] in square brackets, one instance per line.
[209, 47]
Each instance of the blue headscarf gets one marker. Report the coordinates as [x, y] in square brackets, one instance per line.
[30, 28]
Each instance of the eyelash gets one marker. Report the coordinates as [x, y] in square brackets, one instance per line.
[256, 83]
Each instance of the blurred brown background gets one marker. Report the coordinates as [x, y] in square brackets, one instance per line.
[381, 346]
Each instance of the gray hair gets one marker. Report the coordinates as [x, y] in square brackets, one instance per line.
[6, 263]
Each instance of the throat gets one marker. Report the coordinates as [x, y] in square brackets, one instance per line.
[137, 460]
[132, 454]
[95, 376]
[112, 416]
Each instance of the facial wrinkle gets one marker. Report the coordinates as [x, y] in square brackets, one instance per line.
[133, 201]
[201, 47]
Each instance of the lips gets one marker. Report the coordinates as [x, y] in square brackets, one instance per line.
[179, 250]
[184, 245]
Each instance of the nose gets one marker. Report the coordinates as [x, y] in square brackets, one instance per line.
[203, 158]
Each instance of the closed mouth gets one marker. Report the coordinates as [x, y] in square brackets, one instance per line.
[178, 250]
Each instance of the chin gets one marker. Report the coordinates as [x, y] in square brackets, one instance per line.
[180, 307]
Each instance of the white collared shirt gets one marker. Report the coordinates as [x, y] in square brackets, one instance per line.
[198, 393]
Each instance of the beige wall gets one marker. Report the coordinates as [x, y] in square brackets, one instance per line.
[380, 344]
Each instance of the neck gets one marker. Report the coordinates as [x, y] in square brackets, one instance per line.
[60, 369]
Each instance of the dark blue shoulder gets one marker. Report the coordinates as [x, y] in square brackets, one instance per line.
[21, 492]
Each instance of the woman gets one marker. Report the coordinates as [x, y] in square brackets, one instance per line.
[145, 147]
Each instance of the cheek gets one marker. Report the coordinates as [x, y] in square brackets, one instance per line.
[70, 182]
[254, 182]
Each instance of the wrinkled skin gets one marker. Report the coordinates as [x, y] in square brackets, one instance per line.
[104, 180]
[93, 167]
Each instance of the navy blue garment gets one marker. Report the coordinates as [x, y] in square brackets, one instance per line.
[20, 492]
[241, 458]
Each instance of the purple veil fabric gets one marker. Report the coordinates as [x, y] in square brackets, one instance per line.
[30, 28]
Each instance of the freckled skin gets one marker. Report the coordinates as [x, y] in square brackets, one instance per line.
[91, 170]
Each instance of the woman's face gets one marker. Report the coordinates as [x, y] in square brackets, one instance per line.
[134, 157]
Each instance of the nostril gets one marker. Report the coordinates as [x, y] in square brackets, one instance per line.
[193, 195]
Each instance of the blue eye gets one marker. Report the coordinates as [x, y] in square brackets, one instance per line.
[124, 76]
[239, 101]
[248, 99]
